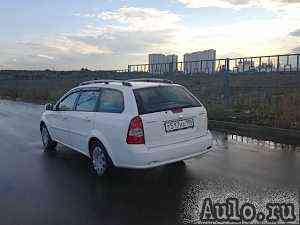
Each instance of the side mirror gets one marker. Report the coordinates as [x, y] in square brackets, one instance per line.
[49, 107]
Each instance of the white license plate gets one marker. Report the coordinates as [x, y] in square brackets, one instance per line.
[180, 124]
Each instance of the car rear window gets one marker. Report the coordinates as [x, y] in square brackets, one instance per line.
[161, 98]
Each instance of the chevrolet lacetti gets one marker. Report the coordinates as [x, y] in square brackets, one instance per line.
[140, 123]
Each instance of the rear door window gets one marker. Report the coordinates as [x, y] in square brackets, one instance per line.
[87, 101]
[111, 101]
[161, 98]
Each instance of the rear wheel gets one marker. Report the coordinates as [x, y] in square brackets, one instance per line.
[49, 144]
[179, 163]
[100, 159]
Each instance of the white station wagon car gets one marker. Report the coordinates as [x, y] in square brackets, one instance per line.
[140, 123]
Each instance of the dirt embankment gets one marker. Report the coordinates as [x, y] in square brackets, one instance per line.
[262, 99]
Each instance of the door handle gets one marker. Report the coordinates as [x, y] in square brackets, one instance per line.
[65, 118]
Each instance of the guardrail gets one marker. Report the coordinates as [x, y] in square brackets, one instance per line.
[254, 64]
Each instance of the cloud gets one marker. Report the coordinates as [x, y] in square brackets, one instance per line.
[140, 19]
[45, 56]
[217, 3]
[295, 33]
[247, 38]
[56, 52]
[143, 19]
[296, 50]
[126, 35]
[123, 41]
[238, 4]
[61, 44]
[132, 30]
[67, 45]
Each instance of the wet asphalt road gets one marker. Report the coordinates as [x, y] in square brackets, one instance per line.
[39, 188]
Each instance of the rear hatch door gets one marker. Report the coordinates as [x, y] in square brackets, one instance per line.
[170, 115]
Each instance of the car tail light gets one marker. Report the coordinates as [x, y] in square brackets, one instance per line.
[135, 133]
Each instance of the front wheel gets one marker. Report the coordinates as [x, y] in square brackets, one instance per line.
[99, 159]
[49, 144]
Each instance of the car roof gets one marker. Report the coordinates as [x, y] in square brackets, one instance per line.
[128, 84]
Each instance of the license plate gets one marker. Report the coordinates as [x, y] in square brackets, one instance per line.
[181, 124]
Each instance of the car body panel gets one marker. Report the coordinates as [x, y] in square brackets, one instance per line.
[141, 157]
[80, 126]
[155, 130]
[58, 126]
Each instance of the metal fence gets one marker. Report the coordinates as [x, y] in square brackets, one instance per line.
[255, 64]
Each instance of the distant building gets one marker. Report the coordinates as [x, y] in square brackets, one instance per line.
[160, 63]
[200, 62]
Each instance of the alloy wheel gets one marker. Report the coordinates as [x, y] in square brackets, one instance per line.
[99, 161]
[45, 136]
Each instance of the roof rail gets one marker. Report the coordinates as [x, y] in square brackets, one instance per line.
[125, 83]
[151, 80]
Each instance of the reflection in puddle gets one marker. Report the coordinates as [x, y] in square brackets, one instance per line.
[223, 139]
[251, 178]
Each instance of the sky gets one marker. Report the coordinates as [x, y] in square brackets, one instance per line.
[110, 34]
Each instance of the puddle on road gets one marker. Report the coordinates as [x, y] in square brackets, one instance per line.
[223, 139]
[219, 190]
[239, 185]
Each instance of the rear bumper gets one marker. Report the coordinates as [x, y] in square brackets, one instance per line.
[143, 157]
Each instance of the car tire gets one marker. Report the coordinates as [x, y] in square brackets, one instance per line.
[49, 144]
[99, 159]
